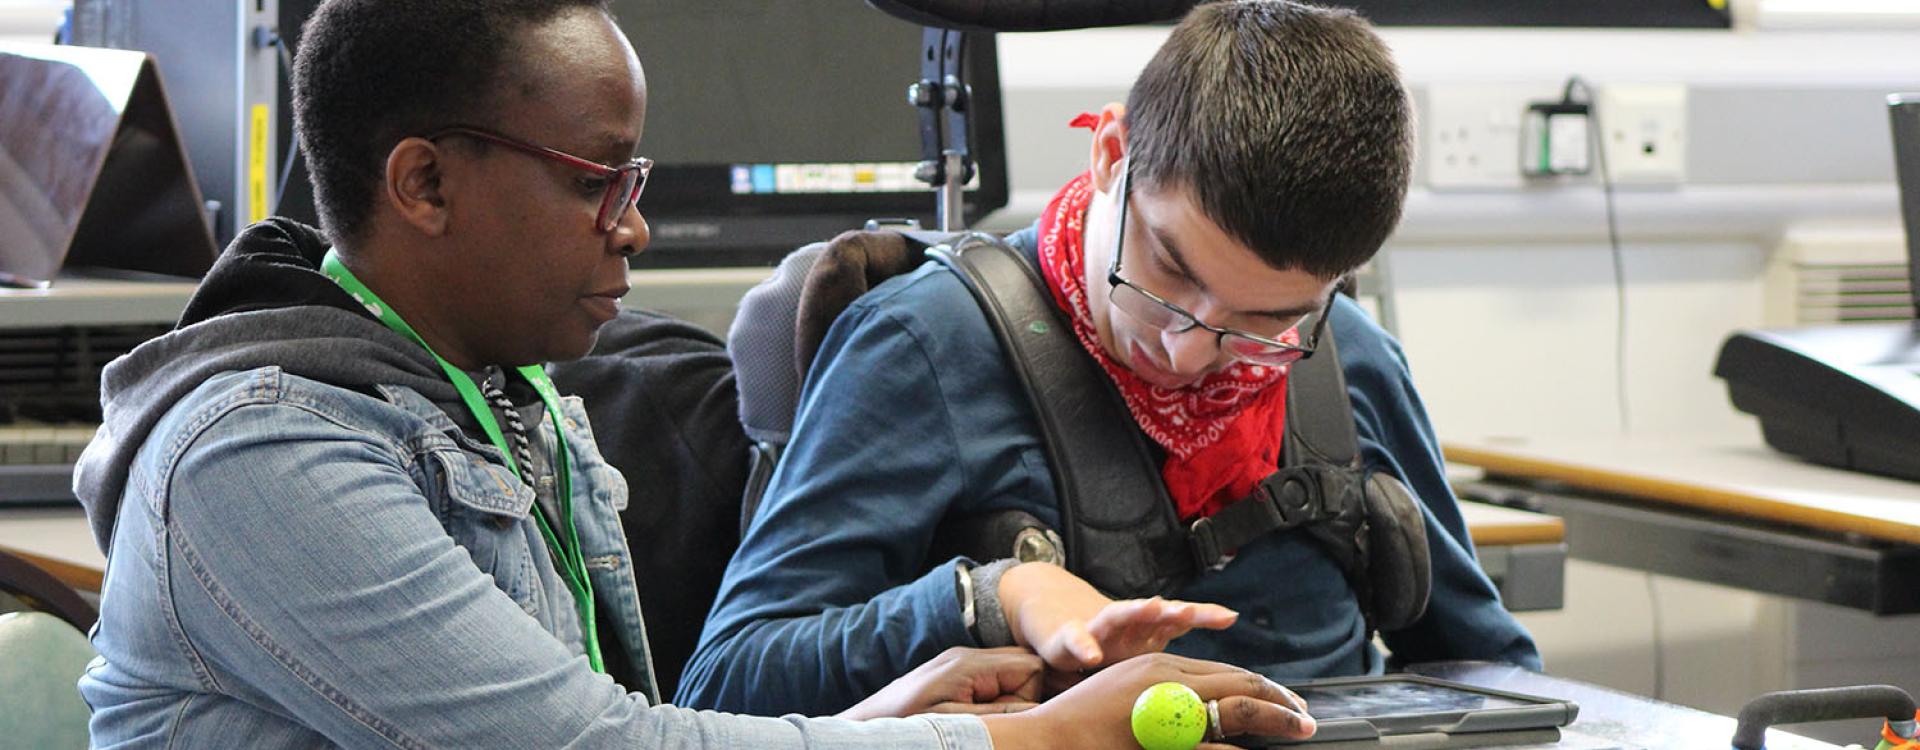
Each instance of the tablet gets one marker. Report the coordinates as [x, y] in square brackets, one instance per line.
[1391, 709]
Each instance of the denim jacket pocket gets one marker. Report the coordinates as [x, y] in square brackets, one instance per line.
[608, 486]
[486, 510]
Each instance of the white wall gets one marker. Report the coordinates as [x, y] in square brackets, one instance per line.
[1520, 339]
[31, 21]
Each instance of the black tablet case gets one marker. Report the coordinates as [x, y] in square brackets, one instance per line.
[1537, 722]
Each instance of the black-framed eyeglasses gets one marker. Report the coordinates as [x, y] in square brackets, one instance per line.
[624, 182]
[1156, 311]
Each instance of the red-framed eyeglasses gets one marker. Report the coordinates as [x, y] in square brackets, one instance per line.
[624, 182]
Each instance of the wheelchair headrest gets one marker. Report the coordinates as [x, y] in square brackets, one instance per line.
[1032, 15]
[783, 320]
[761, 343]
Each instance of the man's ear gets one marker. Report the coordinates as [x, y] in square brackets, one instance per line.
[414, 190]
[1109, 147]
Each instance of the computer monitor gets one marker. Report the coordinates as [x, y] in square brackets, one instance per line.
[771, 125]
[1905, 110]
[777, 124]
[1609, 14]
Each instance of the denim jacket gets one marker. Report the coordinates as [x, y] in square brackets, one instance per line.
[293, 563]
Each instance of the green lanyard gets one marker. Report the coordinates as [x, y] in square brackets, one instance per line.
[566, 550]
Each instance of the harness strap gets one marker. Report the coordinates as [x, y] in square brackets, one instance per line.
[1287, 499]
[1320, 439]
[1120, 529]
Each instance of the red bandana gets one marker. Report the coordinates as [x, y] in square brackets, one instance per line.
[1222, 434]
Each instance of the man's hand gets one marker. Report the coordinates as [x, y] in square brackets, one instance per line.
[1075, 628]
[960, 680]
[1098, 713]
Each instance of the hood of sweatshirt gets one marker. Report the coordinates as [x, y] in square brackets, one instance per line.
[264, 303]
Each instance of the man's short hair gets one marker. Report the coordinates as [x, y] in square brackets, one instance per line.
[1287, 123]
[372, 72]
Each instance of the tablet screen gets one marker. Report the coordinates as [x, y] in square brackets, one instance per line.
[1374, 699]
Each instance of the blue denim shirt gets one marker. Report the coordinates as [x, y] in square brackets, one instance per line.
[295, 564]
[910, 416]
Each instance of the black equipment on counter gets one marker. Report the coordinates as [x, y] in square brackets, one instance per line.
[1844, 395]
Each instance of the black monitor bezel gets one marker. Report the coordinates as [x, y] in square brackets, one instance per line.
[1903, 111]
[773, 224]
[813, 213]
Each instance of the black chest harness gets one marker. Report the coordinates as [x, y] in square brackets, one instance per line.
[1118, 528]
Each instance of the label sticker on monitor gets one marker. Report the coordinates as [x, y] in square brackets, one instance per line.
[827, 178]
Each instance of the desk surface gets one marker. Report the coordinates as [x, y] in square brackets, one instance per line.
[1494, 526]
[1610, 719]
[87, 301]
[1734, 475]
[57, 539]
[60, 540]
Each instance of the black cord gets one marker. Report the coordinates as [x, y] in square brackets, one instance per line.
[1659, 648]
[1573, 82]
[286, 168]
[1596, 137]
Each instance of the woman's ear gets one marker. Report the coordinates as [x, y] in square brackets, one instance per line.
[414, 186]
[1109, 147]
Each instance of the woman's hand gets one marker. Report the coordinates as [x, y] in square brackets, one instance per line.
[960, 680]
[1098, 712]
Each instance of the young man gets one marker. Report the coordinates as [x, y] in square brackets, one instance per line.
[342, 503]
[1262, 154]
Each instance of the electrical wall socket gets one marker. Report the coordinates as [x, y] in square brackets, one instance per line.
[1470, 137]
[1644, 131]
[1471, 133]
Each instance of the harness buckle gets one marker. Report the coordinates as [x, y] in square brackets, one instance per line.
[1205, 545]
[1295, 499]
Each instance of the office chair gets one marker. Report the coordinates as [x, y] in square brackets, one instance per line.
[41, 660]
[39, 590]
[42, 655]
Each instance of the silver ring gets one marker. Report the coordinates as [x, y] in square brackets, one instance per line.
[1215, 732]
